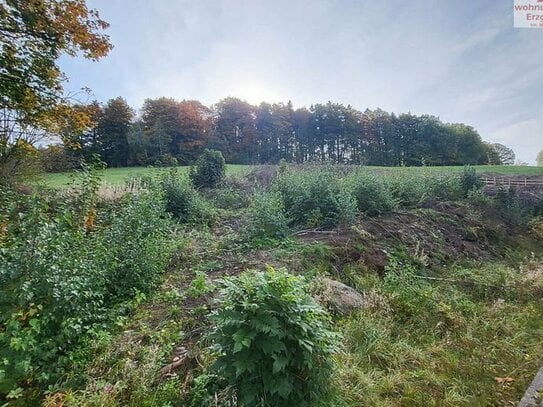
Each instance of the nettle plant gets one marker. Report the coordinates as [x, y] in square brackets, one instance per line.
[274, 343]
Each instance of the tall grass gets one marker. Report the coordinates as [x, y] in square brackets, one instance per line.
[432, 342]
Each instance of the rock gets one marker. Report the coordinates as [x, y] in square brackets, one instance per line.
[532, 397]
[341, 297]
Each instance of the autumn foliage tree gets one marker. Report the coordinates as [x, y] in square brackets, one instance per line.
[33, 35]
[195, 125]
[170, 130]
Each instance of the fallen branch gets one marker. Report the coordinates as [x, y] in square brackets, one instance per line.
[178, 361]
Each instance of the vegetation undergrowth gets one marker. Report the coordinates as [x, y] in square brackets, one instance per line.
[466, 338]
[68, 269]
[273, 343]
[426, 310]
[315, 197]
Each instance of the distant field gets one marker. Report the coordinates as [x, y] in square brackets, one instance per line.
[482, 169]
[116, 176]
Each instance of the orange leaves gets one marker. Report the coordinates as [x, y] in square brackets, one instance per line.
[33, 35]
[3, 229]
[82, 26]
[504, 380]
[25, 149]
[90, 220]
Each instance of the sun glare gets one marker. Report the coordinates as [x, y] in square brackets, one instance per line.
[255, 92]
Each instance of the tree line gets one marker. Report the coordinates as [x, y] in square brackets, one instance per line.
[169, 132]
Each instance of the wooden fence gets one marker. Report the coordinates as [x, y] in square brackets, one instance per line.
[532, 182]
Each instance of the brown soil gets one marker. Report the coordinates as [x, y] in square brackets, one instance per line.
[442, 233]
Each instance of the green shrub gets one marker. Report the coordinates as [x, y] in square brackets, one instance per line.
[229, 198]
[65, 273]
[470, 180]
[316, 197]
[448, 187]
[371, 194]
[479, 197]
[283, 166]
[182, 200]
[140, 231]
[166, 160]
[507, 198]
[199, 286]
[508, 201]
[273, 341]
[266, 217]
[413, 189]
[409, 190]
[235, 192]
[209, 169]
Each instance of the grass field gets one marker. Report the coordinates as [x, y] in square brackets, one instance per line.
[482, 169]
[117, 176]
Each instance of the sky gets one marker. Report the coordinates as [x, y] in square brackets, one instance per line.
[460, 60]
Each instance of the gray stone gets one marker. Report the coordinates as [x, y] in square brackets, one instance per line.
[532, 397]
[341, 297]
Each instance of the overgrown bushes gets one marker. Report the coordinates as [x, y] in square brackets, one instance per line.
[235, 192]
[322, 196]
[63, 274]
[413, 189]
[209, 169]
[373, 197]
[266, 217]
[470, 180]
[273, 342]
[166, 160]
[182, 200]
[316, 197]
[141, 231]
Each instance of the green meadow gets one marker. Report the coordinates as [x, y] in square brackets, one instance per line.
[117, 176]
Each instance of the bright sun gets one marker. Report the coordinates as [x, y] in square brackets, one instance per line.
[255, 92]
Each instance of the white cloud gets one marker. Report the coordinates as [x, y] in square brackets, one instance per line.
[526, 138]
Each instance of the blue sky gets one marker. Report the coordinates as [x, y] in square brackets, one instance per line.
[461, 60]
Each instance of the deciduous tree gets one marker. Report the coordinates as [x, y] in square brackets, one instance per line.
[237, 128]
[505, 155]
[33, 35]
[195, 124]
